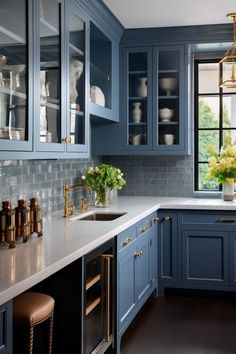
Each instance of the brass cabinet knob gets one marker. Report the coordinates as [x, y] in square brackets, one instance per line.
[138, 253]
[66, 140]
[127, 241]
[167, 218]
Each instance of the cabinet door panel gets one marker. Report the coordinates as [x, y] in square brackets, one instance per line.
[142, 279]
[126, 288]
[15, 76]
[204, 258]
[167, 247]
[233, 259]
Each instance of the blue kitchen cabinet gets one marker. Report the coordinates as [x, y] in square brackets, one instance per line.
[232, 248]
[16, 77]
[167, 249]
[6, 328]
[154, 104]
[136, 270]
[205, 260]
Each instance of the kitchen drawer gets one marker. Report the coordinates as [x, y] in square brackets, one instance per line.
[126, 237]
[209, 218]
[144, 225]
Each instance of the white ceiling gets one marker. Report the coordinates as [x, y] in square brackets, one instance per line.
[161, 13]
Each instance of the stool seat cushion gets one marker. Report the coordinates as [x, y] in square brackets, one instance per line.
[32, 308]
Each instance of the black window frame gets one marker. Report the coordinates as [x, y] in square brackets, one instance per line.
[214, 59]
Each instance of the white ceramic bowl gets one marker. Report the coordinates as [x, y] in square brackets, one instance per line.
[168, 84]
[166, 114]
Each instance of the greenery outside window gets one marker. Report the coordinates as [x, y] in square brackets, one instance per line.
[215, 118]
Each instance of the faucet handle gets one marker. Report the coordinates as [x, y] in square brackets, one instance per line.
[71, 209]
[84, 205]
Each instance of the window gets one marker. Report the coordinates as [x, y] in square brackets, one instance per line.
[215, 118]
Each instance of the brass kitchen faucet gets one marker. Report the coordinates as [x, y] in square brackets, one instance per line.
[69, 210]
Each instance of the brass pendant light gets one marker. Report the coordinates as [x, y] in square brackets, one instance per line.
[227, 76]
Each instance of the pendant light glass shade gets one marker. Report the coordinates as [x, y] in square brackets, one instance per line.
[227, 70]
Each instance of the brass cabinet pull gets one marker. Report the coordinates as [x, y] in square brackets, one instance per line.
[227, 220]
[138, 253]
[127, 241]
[145, 228]
[166, 218]
[107, 259]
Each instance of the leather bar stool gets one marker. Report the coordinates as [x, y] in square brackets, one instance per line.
[31, 309]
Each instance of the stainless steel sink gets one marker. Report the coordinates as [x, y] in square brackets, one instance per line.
[99, 216]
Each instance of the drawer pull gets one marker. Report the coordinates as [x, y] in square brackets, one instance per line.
[156, 219]
[226, 220]
[127, 241]
[166, 218]
[138, 253]
[145, 228]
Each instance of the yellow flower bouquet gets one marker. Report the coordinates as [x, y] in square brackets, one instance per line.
[222, 164]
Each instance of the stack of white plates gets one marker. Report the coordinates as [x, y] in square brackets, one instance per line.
[17, 133]
[45, 136]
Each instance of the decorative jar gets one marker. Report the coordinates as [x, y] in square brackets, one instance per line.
[142, 87]
[228, 191]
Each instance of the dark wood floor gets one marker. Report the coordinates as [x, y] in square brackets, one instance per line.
[183, 325]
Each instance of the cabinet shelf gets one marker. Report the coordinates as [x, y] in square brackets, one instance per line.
[75, 111]
[168, 123]
[138, 72]
[92, 281]
[172, 97]
[138, 124]
[89, 308]
[13, 93]
[135, 98]
[50, 104]
[170, 71]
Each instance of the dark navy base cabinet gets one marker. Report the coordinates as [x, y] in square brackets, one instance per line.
[136, 271]
[204, 258]
[196, 250]
[6, 328]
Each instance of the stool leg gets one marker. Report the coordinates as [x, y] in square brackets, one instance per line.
[50, 335]
[31, 336]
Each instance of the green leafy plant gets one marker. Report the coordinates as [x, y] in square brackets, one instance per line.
[104, 176]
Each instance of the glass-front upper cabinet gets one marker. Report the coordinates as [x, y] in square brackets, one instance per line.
[77, 81]
[49, 128]
[104, 74]
[15, 128]
[60, 110]
[168, 102]
[138, 98]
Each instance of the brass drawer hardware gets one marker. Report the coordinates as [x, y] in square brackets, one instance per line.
[227, 220]
[138, 253]
[167, 218]
[127, 241]
[145, 228]
[156, 219]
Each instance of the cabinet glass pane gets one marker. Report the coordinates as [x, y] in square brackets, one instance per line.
[76, 48]
[100, 67]
[50, 68]
[137, 98]
[13, 70]
[168, 97]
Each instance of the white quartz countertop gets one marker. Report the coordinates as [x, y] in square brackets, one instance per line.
[66, 240]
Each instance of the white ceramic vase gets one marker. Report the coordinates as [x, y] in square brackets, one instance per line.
[137, 112]
[228, 191]
[142, 87]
